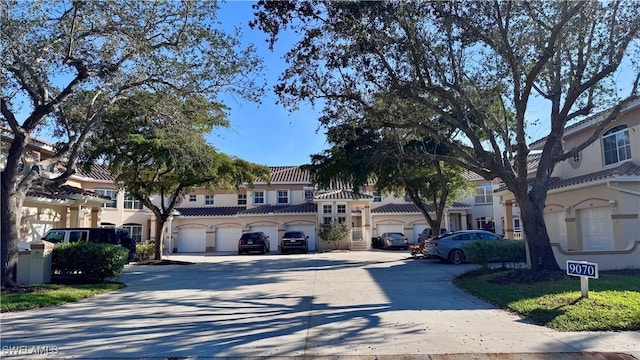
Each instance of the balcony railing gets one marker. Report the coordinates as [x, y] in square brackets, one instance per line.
[517, 235]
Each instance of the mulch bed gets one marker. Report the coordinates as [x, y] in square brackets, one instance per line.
[531, 277]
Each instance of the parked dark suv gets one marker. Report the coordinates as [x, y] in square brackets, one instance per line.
[294, 241]
[253, 241]
[97, 235]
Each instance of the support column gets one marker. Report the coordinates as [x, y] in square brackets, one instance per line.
[508, 219]
[95, 217]
[74, 216]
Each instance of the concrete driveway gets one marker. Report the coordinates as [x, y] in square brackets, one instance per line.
[339, 303]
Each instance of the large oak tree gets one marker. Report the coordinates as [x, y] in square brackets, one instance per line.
[459, 59]
[55, 51]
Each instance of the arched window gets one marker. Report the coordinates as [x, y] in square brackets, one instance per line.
[615, 145]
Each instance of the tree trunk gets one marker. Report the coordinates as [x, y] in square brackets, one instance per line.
[535, 230]
[159, 232]
[11, 208]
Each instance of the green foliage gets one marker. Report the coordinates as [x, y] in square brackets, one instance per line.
[401, 162]
[88, 261]
[334, 233]
[144, 252]
[505, 251]
[33, 297]
[613, 303]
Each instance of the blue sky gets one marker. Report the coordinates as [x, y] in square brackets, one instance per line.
[266, 133]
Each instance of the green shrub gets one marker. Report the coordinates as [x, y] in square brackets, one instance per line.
[505, 251]
[334, 232]
[145, 252]
[88, 261]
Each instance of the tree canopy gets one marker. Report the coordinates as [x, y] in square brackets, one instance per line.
[477, 66]
[59, 52]
[396, 161]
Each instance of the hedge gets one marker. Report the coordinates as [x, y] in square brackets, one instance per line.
[88, 261]
[505, 251]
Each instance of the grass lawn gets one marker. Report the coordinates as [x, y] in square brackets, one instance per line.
[613, 303]
[31, 297]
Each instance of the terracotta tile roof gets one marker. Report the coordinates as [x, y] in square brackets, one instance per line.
[62, 192]
[289, 174]
[306, 208]
[97, 171]
[210, 211]
[627, 169]
[532, 161]
[341, 195]
[411, 208]
[471, 176]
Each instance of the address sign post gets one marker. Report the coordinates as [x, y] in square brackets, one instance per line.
[584, 270]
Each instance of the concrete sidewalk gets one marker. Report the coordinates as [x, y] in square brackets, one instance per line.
[357, 305]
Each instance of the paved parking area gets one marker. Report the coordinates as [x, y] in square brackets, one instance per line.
[361, 304]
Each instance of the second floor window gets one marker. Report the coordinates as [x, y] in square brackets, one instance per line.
[484, 194]
[342, 209]
[208, 200]
[131, 203]
[615, 145]
[308, 194]
[110, 193]
[326, 209]
[242, 199]
[283, 197]
[192, 198]
[377, 197]
[258, 197]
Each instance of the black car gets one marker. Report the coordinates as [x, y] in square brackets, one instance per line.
[113, 236]
[253, 241]
[294, 241]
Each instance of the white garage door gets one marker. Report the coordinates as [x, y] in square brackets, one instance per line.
[192, 240]
[227, 238]
[417, 230]
[309, 230]
[557, 228]
[271, 232]
[381, 229]
[597, 228]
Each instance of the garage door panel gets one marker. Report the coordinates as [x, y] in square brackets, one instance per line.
[383, 228]
[597, 228]
[192, 240]
[309, 230]
[271, 232]
[417, 230]
[227, 238]
[557, 228]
